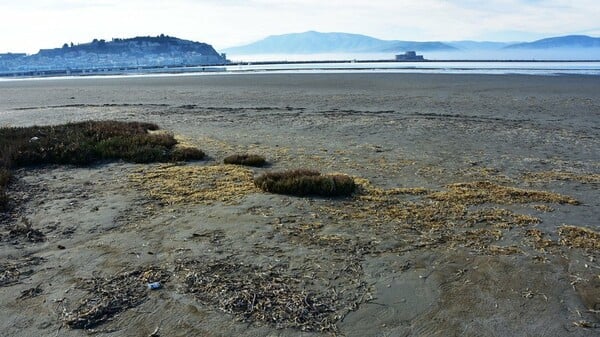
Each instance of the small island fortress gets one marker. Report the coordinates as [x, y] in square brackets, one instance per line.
[409, 56]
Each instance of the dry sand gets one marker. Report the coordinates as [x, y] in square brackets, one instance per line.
[484, 259]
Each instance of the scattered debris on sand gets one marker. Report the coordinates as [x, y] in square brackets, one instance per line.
[504, 250]
[543, 208]
[271, 295]
[25, 231]
[109, 296]
[464, 215]
[176, 184]
[538, 239]
[579, 237]
[481, 192]
[547, 176]
[368, 192]
[31, 292]
[11, 271]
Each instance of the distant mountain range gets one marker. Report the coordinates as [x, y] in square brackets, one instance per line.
[312, 42]
[570, 41]
[478, 45]
[146, 51]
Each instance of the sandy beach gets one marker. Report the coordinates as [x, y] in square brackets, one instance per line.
[477, 214]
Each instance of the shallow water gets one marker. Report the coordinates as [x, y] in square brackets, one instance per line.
[467, 67]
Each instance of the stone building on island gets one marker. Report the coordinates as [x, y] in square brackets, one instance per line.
[409, 56]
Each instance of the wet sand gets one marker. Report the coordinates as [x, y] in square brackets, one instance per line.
[484, 260]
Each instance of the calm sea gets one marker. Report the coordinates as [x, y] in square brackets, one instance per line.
[287, 66]
[448, 67]
[578, 64]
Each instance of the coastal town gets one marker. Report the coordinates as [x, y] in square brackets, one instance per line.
[101, 55]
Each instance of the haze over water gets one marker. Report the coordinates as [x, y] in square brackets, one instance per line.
[465, 61]
[571, 54]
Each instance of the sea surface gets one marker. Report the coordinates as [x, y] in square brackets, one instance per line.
[449, 67]
[542, 68]
[555, 62]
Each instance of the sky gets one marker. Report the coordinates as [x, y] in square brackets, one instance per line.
[30, 25]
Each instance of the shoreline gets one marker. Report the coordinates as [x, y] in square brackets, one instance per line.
[226, 77]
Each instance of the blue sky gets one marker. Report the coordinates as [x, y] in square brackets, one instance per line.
[28, 25]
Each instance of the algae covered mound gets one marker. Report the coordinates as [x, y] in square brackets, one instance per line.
[246, 160]
[86, 143]
[306, 182]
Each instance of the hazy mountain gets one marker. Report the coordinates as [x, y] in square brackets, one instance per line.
[401, 46]
[574, 47]
[570, 41]
[312, 42]
[478, 45]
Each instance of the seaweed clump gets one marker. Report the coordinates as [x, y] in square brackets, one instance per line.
[481, 192]
[579, 237]
[85, 143]
[246, 160]
[462, 215]
[185, 153]
[176, 184]
[4, 179]
[306, 182]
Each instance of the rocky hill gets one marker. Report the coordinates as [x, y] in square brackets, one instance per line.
[145, 51]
